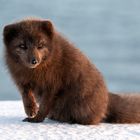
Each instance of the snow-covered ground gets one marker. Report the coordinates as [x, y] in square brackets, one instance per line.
[12, 127]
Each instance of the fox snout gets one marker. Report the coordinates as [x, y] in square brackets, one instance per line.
[34, 58]
[31, 58]
[34, 61]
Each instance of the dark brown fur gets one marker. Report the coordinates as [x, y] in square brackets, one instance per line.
[63, 82]
[123, 108]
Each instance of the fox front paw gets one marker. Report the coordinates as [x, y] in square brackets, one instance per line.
[31, 111]
[33, 120]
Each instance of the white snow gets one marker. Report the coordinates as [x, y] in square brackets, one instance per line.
[12, 127]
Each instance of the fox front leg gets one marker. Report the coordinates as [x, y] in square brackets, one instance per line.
[29, 102]
[45, 105]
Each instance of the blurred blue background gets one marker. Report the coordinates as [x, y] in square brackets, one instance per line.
[107, 31]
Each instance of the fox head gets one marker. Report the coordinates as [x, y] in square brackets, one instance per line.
[29, 41]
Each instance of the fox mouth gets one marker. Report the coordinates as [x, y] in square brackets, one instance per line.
[31, 66]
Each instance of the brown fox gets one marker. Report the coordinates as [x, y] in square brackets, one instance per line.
[56, 80]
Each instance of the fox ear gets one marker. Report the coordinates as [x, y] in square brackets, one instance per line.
[47, 27]
[9, 32]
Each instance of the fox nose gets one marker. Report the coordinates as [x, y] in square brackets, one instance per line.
[34, 61]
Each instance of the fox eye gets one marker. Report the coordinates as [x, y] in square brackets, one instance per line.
[22, 46]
